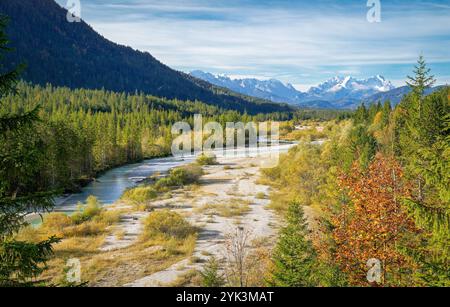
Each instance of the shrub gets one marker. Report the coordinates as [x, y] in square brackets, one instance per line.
[168, 223]
[89, 228]
[179, 176]
[209, 159]
[261, 195]
[88, 211]
[108, 217]
[55, 223]
[140, 194]
[64, 226]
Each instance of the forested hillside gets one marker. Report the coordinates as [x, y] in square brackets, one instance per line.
[74, 55]
[83, 132]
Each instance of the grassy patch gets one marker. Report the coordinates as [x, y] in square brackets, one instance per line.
[169, 224]
[207, 159]
[260, 195]
[191, 278]
[177, 177]
[234, 208]
[140, 194]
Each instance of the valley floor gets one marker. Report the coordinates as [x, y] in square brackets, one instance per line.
[228, 196]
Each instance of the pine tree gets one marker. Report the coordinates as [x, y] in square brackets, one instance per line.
[294, 256]
[19, 261]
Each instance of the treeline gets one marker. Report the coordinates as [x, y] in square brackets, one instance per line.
[375, 196]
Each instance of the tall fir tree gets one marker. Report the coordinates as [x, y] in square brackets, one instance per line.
[294, 256]
[422, 78]
[20, 262]
[423, 147]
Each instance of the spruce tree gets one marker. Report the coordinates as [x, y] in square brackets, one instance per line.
[422, 78]
[424, 151]
[20, 262]
[387, 109]
[294, 256]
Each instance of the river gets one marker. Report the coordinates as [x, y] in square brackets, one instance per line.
[109, 187]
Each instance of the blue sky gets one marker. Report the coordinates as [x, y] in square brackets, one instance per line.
[301, 42]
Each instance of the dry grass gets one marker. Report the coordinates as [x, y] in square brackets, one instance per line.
[260, 195]
[171, 241]
[169, 224]
[232, 209]
[191, 278]
[206, 159]
[117, 268]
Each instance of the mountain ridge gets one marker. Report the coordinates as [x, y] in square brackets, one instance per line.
[338, 92]
[75, 55]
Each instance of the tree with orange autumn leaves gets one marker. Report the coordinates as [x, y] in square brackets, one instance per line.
[373, 223]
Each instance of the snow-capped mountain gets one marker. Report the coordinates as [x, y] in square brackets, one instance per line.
[273, 89]
[338, 92]
[339, 88]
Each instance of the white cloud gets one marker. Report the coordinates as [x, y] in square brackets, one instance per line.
[291, 44]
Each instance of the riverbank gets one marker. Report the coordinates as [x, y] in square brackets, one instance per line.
[115, 247]
[228, 197]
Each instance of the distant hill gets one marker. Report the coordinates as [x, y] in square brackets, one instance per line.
[396, 95]
[74, 55]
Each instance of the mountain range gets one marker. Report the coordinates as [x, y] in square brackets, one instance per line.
[339, 92]
[68, 54]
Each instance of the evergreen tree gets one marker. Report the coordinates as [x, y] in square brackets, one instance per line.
[423, 147]
[387, 109]
[19, 261]
[211, 276]
[294, 256]
[422, 78]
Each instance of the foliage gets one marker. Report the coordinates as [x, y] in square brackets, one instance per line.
[374, 223]
[179, 176]
[211, 276]
[206, 159]
[140, 194]
[377, 188]
[168, 223]
[294, 256]
[88, 211]
[422, 135]
[20, 261]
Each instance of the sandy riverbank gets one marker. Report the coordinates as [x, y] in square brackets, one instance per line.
[231, 181]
